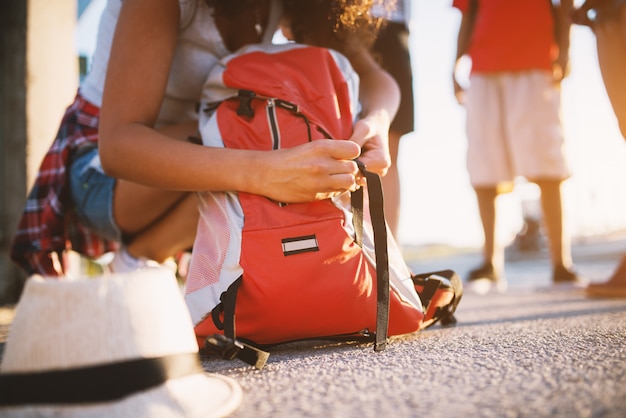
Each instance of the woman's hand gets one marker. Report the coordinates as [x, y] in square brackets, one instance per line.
[316, 170]
[372, 134]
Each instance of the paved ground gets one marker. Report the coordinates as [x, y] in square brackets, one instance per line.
[536, 351]
[518, 355]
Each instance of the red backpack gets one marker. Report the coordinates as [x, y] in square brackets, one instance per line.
[266, 272]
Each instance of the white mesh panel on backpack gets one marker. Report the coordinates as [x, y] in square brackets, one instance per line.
[214, 261]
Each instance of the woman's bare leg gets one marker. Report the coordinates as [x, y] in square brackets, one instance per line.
[155, 223]
[174, 232]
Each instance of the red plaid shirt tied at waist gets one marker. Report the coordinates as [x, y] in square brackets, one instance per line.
[48, 226]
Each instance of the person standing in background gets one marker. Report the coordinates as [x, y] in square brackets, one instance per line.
[391, 49]
[520, 54]
[607, 18]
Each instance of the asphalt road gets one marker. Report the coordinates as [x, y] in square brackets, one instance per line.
[522, 354]
[535, 351]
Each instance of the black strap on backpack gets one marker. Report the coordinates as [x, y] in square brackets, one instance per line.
[227, 345]
[230, 348]
[377, 214]
[433, 282]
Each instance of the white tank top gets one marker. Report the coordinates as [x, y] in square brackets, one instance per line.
[198, 48]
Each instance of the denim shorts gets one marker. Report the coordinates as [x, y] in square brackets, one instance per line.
[92, 195]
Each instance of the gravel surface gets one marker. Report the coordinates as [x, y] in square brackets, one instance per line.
[535, 351]
[522, 354]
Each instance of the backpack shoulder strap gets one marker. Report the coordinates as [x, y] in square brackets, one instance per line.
[272, 21]
[227, 345]
[377, 214]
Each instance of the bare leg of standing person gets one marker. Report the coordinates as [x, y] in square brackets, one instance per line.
[489, 275]
[391, 186]
[610, 33]
[392, 49]
[558, 239]
[611, 46]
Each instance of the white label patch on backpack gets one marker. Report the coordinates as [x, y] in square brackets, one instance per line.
[298, 245]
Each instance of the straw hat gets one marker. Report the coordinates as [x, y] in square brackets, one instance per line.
[116, 346]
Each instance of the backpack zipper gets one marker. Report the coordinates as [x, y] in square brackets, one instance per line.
[272, 121]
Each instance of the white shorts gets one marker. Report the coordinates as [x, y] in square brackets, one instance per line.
[514, 128]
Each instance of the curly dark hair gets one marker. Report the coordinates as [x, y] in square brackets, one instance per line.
[331, 23]
[326, 23]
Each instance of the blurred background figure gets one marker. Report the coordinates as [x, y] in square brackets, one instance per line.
[519, 55]
[391, 49]
[607, 18]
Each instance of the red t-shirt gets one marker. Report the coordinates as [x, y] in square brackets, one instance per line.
[511, 35]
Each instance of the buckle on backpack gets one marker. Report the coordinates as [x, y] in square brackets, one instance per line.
[245, 103]
[229, 349]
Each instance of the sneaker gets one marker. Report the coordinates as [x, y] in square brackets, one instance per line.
[563, 275]
[123, 262]
[485, 279]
